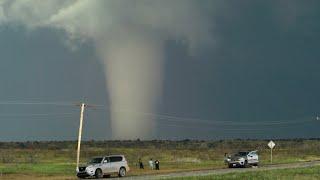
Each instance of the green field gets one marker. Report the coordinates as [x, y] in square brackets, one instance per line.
[311, 173]
[58, 158]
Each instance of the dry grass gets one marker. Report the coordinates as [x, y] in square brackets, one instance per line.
[56, 159]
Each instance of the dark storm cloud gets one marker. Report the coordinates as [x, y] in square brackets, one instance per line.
[37, 67]
[263, 66]
[263, 69]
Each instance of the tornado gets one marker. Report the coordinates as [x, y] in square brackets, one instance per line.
[133, 64]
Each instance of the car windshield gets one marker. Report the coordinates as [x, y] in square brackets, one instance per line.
[241, 154]
[96, 160]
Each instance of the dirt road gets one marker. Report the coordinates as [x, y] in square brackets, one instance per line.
[223, 171]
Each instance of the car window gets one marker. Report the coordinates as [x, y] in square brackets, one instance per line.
[253, 153]
[241, 153]
[106, 160]
[96, 160]
[115, 158]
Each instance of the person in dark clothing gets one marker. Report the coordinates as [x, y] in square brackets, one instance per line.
[157, 163]
[141, 164]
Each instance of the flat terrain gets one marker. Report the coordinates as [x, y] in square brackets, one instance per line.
[302, 170]
[238, 172]
[299, 173]
[55, 160]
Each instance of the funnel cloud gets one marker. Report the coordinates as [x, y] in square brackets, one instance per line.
[129, 37]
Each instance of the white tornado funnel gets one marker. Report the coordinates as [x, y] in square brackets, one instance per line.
[133, 63]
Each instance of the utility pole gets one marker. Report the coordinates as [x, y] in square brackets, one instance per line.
[83, 105]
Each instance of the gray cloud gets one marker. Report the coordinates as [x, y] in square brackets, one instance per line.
[129, 36]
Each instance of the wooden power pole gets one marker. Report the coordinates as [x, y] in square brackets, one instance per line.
[83, 105]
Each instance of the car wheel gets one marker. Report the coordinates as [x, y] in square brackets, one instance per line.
[98, 174]
[230, 165]
[122, 172]
[245, 165]
[81, 177]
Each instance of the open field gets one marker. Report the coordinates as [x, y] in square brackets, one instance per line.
[300, 170]
[306, 173]
[56, 159]
[238, 173]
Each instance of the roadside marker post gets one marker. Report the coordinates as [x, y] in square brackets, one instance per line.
[271, 145]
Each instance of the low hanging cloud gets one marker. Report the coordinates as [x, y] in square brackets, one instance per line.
[129, 37]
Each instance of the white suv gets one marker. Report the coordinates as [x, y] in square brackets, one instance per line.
[243, 159]
[104, 166]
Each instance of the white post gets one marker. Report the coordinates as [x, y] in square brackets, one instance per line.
[271, 145]
[271, 155]
[80, 132]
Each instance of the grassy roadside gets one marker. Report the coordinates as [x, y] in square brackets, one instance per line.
[310, 173]
[57, 158]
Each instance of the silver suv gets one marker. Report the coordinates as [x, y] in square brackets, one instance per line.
[99, 167]
[243, 159]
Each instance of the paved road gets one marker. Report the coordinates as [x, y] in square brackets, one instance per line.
[222, 171]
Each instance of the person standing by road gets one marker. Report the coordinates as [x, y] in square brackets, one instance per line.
[141, 164]
[157, 163]
[151, 164]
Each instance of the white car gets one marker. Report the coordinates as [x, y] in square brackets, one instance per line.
[243, 159]
[99, 167]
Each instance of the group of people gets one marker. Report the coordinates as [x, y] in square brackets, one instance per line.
[152, 164]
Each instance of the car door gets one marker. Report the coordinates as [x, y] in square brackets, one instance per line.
[115, 163]
[252, 157]
[255, 157]
[106, 166]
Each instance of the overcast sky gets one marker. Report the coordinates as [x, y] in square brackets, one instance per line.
[233, 69]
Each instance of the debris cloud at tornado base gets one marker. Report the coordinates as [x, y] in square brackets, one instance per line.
[129, 37]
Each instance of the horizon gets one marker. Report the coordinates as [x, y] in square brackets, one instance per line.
[170, 140]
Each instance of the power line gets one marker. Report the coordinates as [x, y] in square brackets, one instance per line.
[235, 123]
[44, 103]
[165, 117]
[223, 128]
[157, 116]
[36, 103]
[35, 115]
